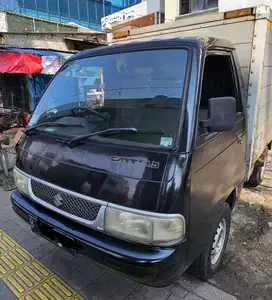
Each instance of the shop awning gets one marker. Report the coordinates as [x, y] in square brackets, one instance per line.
[30, 61]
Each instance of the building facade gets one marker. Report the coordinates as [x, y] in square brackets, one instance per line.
[83, 12]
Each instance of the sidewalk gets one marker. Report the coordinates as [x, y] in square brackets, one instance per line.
[78, 276]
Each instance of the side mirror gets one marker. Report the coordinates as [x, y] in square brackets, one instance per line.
[222, 114]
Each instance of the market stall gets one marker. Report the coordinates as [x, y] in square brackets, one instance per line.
[24, 74]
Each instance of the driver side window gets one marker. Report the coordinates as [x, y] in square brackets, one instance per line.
[217, 82]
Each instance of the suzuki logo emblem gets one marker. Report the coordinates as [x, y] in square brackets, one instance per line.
[58, 200]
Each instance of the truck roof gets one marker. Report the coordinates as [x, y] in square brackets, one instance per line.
[196, 42]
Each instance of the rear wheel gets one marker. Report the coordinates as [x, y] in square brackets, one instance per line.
[210, 259]
[257, 176]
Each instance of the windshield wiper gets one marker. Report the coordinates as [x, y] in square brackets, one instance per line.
[113, 131]
[48, 124]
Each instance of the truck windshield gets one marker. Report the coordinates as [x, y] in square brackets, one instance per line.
[142, 90]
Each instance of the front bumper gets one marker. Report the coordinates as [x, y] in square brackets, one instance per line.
[149, 265]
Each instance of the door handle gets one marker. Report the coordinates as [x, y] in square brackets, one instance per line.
[239, 137]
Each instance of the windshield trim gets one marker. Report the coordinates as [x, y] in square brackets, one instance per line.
[163, 44]
[182, 106]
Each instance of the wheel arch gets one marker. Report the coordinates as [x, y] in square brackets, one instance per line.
[232, 198]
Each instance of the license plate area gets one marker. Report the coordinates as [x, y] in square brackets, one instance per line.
[54, 235]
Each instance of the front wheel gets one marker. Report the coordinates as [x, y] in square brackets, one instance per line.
[210, 259]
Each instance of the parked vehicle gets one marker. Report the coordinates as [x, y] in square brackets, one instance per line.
[144, 181]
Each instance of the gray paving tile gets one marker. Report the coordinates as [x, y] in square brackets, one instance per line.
[3, 220]
[63, 254]
[87, 267]
[33, 234]
[77, 280]
[153, 293]
[189, 282]
[6, 293]
[108, 286]
[177, 292]
[22, 235]
[135, 295]
[30, 243]
[42, 250]
[21, 222]
[41, 239]
[28, 233]
[6, 213]
[11, 228]
[4, 197]
[4, 202]
[2, 285]
[208, 292]
[191, 296]
[203, 289]
[57, 264]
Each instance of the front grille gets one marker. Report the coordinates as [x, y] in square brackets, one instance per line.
[66, 202]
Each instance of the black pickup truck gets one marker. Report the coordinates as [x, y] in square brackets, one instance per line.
[134, 157]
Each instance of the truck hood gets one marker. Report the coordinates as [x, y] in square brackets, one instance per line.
[111, 173]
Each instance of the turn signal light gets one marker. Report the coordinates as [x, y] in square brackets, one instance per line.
[238, 13]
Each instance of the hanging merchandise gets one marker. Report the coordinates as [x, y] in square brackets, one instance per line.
[30, 61]
[51, 64]
[20, 63]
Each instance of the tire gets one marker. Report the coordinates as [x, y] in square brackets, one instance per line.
[209, 261]
[257, 175]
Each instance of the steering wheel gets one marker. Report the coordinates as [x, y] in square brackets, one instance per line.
[77, 110]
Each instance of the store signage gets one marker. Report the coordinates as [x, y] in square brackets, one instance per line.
[125, 15]
[118, 18]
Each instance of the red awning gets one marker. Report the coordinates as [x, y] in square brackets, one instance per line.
[20, 63]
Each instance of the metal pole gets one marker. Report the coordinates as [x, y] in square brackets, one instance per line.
[47, 5]
[88, 14]
[58, 10]
[78, 12]
[95, 7]
[104, 9]
[36, 7]
[34, 25]
[69, 11]
[12, 99]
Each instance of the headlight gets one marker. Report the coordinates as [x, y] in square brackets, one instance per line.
[152, 229]
[21, 181]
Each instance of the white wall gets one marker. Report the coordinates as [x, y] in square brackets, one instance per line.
[171, 10]
[172, 6]
[3, 22]
[227, 5]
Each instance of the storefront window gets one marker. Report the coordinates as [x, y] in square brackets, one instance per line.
[187, 6]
